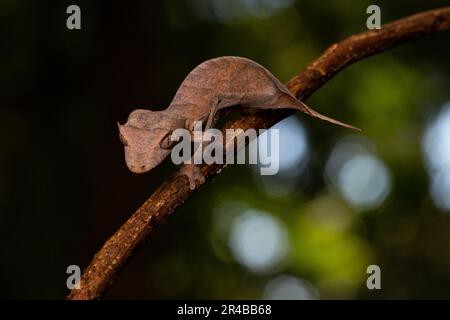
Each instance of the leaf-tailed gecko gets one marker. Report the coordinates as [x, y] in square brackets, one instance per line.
[213, 85]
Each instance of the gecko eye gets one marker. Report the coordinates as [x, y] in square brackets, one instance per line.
[166, 143]
[123, 140]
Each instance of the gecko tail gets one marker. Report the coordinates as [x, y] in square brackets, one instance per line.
[304, 108]
[320, 116]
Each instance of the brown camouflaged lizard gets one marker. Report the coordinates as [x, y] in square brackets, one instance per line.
[213, 85]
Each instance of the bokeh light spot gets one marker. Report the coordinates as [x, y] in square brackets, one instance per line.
[259, 241]
[364, 181]
[436, 149]
[289, 288]
[440, 188]
[292, 146]
[229, 10]
[361, 178]
[291, 159]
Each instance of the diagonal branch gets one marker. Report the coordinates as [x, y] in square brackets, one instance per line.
[118, 250]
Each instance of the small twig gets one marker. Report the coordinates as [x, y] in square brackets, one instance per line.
[116, 252]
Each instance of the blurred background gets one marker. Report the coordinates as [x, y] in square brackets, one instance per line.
[341, 202]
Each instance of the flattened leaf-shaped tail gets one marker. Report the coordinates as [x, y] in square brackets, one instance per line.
[298, 105]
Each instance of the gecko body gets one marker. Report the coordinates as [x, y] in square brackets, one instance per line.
[213, 85]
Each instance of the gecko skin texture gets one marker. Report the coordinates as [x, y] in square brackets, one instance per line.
[213, 85]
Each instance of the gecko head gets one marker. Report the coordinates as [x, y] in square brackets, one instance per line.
[146, 137]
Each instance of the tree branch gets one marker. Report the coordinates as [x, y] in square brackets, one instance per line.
[112, 257]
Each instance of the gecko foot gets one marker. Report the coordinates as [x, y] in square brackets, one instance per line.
[193, 173]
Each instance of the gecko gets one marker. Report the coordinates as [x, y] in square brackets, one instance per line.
[214, 85]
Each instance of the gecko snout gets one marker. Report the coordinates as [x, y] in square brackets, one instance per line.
[138, 169]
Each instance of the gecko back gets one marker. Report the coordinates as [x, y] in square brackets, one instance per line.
[225, 76]
[234, 81]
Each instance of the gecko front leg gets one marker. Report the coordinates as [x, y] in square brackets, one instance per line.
[193, 173]
[190, 170]
[222, 100]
